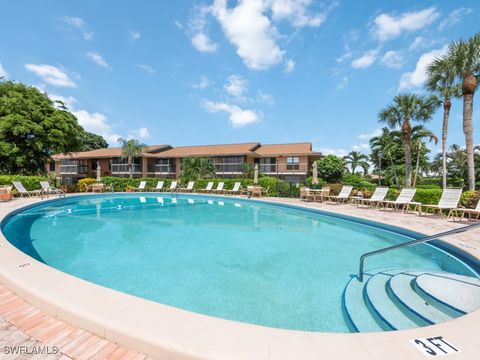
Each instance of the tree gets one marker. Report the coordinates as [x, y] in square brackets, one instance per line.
[90, 141]
[465, 59]
[357, 159]
[197, 168]
[404, 109]
[441, 81]
[32, 129]
[331, 168]
[419, 133]
[130, 149]
[387, 146]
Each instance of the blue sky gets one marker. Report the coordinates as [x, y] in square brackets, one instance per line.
[218, 71]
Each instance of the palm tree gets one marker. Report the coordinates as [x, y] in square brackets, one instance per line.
[406, 108]
[355, 159]
[465, 59]
[130, 149]
[419, 133]
[441, 81]
[385, 144]
[197, 168]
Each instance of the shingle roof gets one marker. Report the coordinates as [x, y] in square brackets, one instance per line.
[105, 153]
[210, 150]
[285, 149]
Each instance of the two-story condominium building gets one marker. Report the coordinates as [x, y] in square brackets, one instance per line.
[291, 162]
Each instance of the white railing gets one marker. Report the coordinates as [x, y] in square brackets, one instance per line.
[73, 169]
[124, 169]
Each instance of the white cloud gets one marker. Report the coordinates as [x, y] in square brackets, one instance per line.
[3, 72]
[69, 101]
[147, 68]
[142, 133]
[236, 86]
[342, 82]
[392, 59]
[78, 23]
[51, 75]
[98, 59]
[360, 147]
[265, 98]
[250, 31]
[296, 12]
[202, 43]
[454, 17]
[178, 24]
[418, 42]
[238, 117]
[96, 123]
[289, 66]
[365, 60]
[345, 56]
[387, 27]
[376, 132]
[332, 151]
[417, 77]
[203, 83]
[134, 35]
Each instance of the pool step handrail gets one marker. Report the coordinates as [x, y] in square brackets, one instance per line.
[413, 242]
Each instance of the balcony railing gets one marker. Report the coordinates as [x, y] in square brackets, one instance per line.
[164, 169]
[124, 169]
[233, 168]
[267, 168]
[73, 169]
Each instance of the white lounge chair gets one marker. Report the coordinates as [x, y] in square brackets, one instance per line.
[343, 195]
[159, 186]
[173, 186]
[235, 190]
[219, 188]
[22, 191]
[48, 189]
[475, 212]
[208, 188]
[403, 201]
[189, 187]
[377, 198]
[449, 201]
[141, 186]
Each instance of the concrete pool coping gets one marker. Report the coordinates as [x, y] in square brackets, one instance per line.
[166, 332]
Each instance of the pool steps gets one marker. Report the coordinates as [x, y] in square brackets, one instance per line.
[396, 299]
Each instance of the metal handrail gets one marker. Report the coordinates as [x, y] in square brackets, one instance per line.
[412, 242]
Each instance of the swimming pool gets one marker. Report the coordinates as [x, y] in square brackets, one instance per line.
[241, 260]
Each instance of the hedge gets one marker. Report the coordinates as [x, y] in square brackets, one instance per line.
[29, 182]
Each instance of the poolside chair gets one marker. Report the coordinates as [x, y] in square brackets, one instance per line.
[219, 188]
[254, 190]
[306, 194]
[470, 212]
[22, 191]
[323, 194]
[173, 186]
[403, 201]
[208, 188]
[48, 189]
[159, 186]
[189, 187]
[236, 189]
[343, 196]
[141, 186]
[377, 198]
[449, 201]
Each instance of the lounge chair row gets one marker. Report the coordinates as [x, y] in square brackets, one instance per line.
[46, 189]
[449, 201]
[236, 190]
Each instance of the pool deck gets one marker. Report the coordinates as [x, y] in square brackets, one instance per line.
[41, 306]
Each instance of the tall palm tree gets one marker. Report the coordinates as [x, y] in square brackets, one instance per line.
[404, 109]
[441, 81]
[357, 159]
[419, 133]
[465, 59]
[130, 149]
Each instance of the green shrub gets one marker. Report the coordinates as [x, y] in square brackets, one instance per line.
[429, 181]
[470, 199]
[392, 193]
[428, 196]
[29, 182]
[83, 184]
[330, 168]
[428, 186]
[309, 183]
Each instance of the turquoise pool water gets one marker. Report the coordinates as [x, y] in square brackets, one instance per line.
[236, 259]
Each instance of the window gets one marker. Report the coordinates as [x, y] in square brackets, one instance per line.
[165, 166]
[52, 166]
[229, 164]
[268, 164]
[293, 163]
